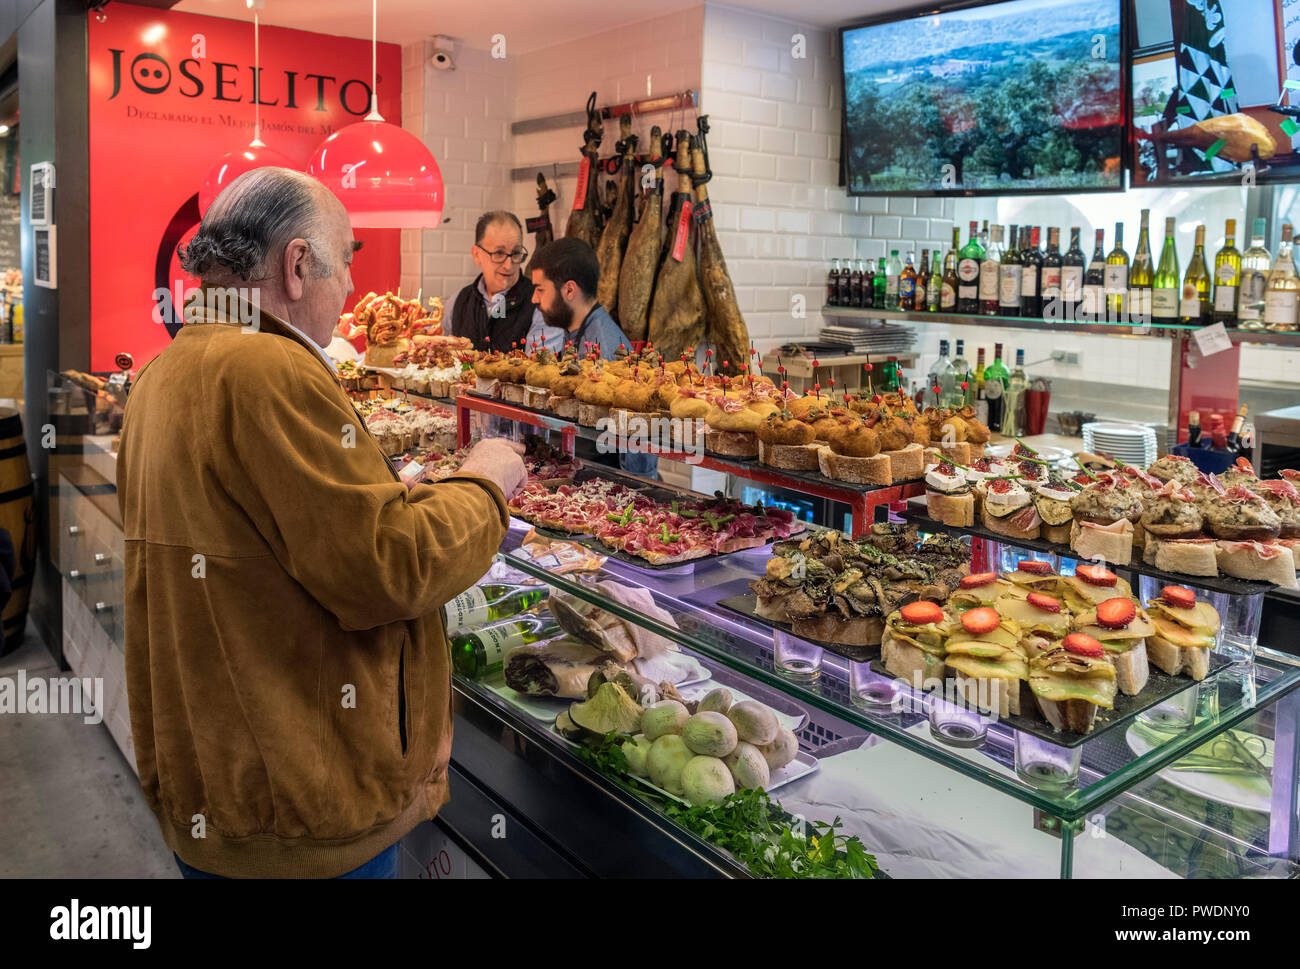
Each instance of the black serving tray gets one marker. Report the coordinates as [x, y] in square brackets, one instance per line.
[745, 605]
[656, 492]
[1160, 687]
[917, 514]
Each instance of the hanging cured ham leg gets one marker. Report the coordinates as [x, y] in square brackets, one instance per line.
[540, 225]
[585, 221]
[613, 241]
[677, 308]
[724, 324]
[641, 259]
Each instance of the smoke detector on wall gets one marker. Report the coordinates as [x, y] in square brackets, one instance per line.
[444, 49]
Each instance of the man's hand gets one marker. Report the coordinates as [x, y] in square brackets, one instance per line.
[499, 461]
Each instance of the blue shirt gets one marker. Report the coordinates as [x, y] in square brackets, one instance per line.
[599, 328]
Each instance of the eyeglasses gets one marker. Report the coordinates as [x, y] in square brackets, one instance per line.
[517, 256]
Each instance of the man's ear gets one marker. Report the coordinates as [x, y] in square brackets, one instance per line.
[296, 255]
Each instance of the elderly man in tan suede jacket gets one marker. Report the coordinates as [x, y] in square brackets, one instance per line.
[287, 668]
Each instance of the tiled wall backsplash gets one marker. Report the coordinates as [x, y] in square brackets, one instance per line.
[774, 146]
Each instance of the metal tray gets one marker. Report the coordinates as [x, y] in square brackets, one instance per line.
[1160, 687]
[746, 604]
[917, 514]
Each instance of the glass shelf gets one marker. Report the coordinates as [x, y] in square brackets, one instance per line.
[1108, 766]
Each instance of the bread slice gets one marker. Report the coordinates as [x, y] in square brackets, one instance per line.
[832, 628]
[1175, 659]
[789, 457]
[589, 415]
[488, 386]
[1110, 543]
[907, 464]
[1005, 526]
[1258, 561]
[910, 662]
[1188, 556]
[1060, 534]
[955, 510]
[732, 444]
[1131, 668]
[566, 407]
[1076, 716]
[513, 393]
[999, 696]
[688, 432]
[874, 470]
[959, 452]
[1139, 535]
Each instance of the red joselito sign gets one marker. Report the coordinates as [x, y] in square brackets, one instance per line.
[170, 93]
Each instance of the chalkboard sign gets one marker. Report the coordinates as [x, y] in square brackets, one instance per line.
[11, 256]
[43, 263]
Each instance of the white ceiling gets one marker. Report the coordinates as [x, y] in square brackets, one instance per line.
[536, 23]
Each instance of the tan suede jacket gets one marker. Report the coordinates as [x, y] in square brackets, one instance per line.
[287, 670]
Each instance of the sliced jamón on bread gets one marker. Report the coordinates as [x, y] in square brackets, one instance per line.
[789, 457]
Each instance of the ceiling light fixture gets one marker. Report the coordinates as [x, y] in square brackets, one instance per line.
[256, 155]
[407, 193]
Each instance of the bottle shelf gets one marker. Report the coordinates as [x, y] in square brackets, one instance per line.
[1030, 323]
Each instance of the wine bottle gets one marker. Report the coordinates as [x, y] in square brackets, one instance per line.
[1256, 263]
[1051, 276]
[833, 284]
[968, 272]
[893, 275]
[1165, 285]
[1009, 279]
[1141, 276]
[934, 288]
[1013, 410]
[1117, 278]
[1094, 283]
[948, 289]
[1280, 298]
[996, 378]
[482, 652]
[487, 603]
[991, 273]
[1227, 276]
[922, 277]
[961, 370]
[1234, 435]
[1194, 307]
[1031, 268]
[1194, 429]
[1072, 276]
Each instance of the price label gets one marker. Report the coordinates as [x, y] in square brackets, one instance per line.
[1212, 339]
[683, 232]
[580, 190]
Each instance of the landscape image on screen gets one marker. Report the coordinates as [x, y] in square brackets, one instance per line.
[1018, 95]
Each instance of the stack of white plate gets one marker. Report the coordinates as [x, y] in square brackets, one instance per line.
[1130, 443]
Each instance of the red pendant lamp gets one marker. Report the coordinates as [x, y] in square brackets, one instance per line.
[256, 155]
[385, 176]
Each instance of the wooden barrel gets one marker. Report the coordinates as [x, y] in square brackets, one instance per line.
[17, 515]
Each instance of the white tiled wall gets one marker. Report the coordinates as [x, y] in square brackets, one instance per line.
[463, 118]
[774, 146]
[653, 58]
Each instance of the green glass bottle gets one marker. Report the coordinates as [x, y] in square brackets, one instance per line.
[487, 603]
[878, 286]
[482, 652]
[968, 272]
[1167, 286]
[1141, 275]
[1117, 278]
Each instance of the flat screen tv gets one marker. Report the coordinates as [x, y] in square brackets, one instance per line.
[988, 99]
[1216, 91]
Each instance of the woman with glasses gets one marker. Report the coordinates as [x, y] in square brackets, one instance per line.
[497, 309]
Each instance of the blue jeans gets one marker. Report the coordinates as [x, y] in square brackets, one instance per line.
[383, 865]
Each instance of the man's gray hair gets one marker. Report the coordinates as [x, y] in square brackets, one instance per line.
[246, 228]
